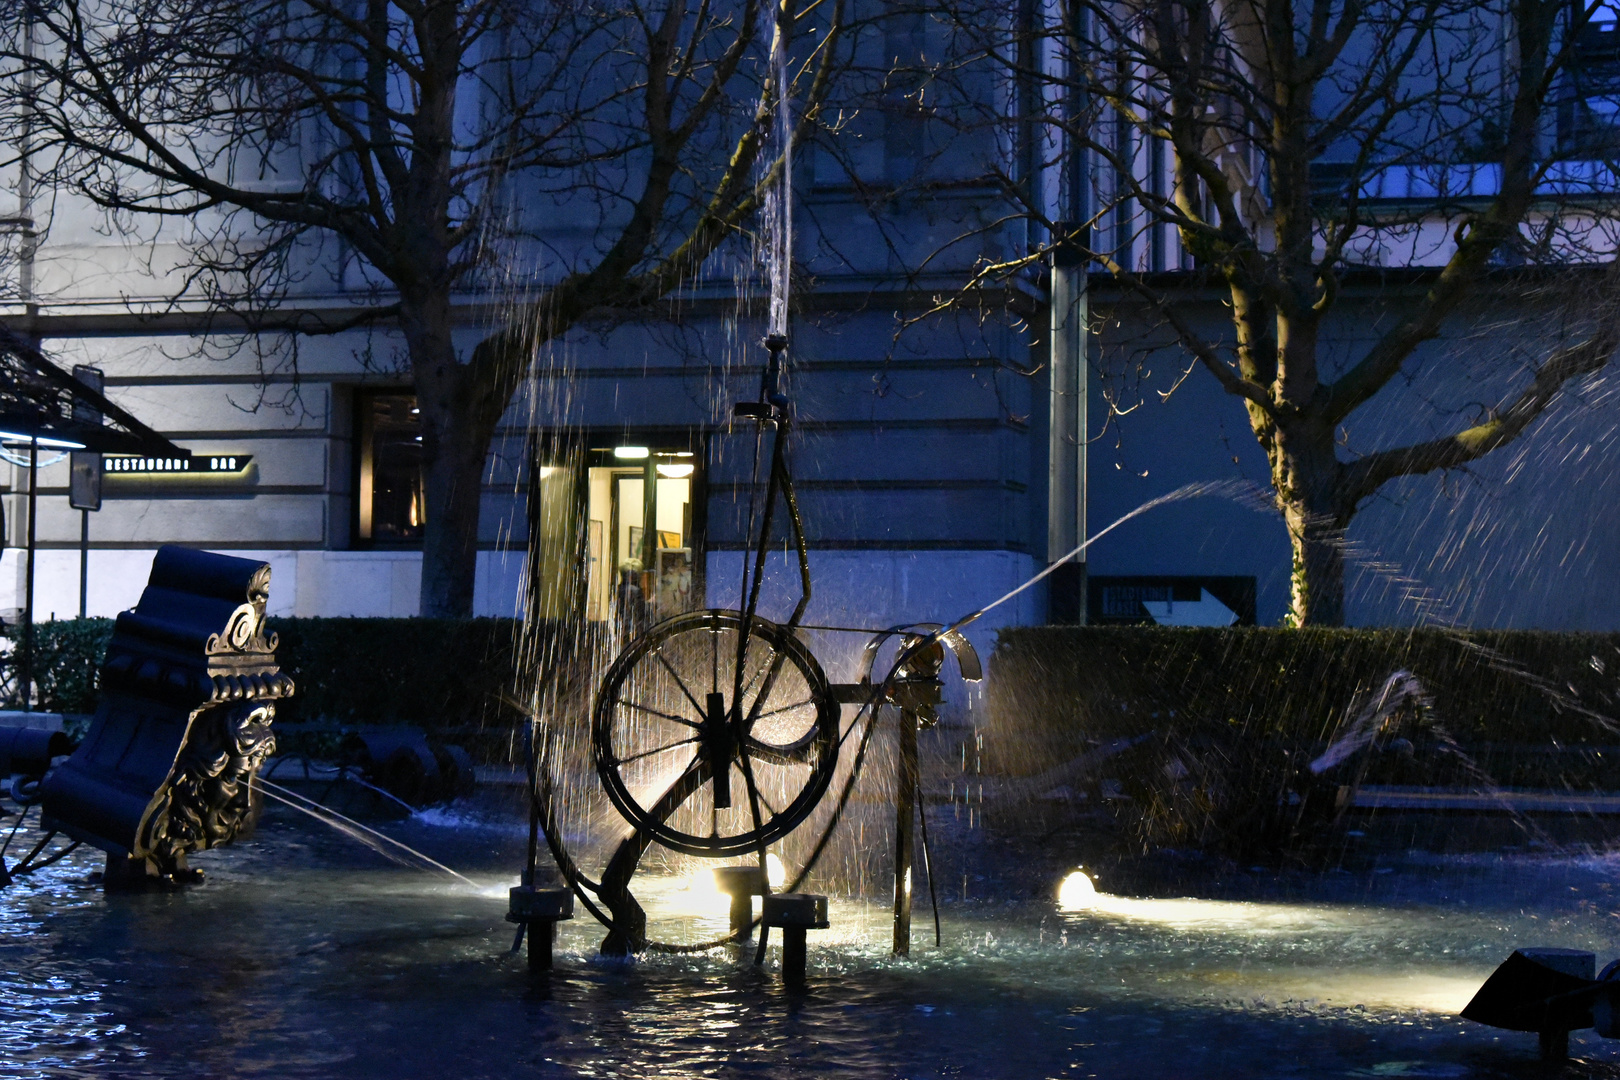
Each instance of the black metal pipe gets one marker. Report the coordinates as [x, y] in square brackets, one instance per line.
[542, 938]
[742, 913]
[84, 560]
[793, 957]
[905, 812]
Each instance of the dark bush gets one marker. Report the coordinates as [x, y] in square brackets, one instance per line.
[430, 673]
[450, 677]
[1228, 720]
[67, 660]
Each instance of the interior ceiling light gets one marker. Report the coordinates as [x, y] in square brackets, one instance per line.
[630, 452]
[675, 472]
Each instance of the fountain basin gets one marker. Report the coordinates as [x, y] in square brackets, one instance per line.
[305, 956]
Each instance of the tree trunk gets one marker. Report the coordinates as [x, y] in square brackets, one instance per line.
[458, 417]
[1317, 583]
[452, 482]
[1307, 476]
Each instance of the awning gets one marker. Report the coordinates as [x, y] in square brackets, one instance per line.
[37, 401]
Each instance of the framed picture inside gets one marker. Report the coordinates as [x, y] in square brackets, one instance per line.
[674, 585]
[594, 585]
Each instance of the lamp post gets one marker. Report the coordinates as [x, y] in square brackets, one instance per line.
[25, 683]
[84, 477]
[1069, 372]
[1066, 478]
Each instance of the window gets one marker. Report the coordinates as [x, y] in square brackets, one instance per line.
[604, 543]
[621, 549]
[1589, 105]
[388, 492]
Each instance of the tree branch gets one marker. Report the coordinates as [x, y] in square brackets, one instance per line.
[1363, 477]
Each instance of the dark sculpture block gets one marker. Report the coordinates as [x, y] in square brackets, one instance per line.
[803, 911]
[407, 765]
[188, 692]
[539, 911]
[28, 751]
[794, 914]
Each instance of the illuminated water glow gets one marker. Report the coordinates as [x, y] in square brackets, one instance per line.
[336, 958]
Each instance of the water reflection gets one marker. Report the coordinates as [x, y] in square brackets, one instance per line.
[303, 957]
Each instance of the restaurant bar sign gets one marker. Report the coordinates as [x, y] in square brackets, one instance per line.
[196, 464]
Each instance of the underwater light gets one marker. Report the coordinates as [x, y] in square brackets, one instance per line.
[1076, 892]
[629, 451]
[701, 896]
[676, 472]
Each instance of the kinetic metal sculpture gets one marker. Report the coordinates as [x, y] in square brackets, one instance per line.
[716, 733]
[188, 693]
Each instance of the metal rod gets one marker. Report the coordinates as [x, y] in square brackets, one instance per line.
[26, 682]
[904, 838]
[649, 524]
[542, 939]
[928, 861]
[793, 956]
[532, 567]
[84, 561]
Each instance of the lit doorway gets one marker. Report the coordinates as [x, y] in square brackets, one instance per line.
[639, 543]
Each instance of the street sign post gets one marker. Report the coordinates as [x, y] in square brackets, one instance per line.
[84, 479]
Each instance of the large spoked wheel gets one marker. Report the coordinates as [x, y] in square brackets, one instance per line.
[695, 765]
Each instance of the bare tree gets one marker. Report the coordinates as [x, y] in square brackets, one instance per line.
[589, 156]
[1281, 147]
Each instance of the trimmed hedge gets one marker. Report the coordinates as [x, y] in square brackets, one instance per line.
[1233, 716]
[447, 676]
[1058, 686]
[436, 674]
[67, 663]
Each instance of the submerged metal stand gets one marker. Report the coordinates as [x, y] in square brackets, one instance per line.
[918, 692]
[794, 914]
[539, 911]
[1550, 992]
[742, 884]
[905, 811]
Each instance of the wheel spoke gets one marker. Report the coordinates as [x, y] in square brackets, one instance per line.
[679, 682]
[791, 754]
[658, 750]
[775, 813]
[655, 712]
[758, 675]
[753, 791]
[785, 708]
[765, 689]
[714, 660]
[695, 765]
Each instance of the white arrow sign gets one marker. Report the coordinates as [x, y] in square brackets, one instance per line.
[1205, 611]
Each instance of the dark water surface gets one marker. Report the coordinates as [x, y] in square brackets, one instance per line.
[306, 956]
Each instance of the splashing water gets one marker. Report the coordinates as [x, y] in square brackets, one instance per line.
[778, 216]
[384, 845]
[1235, 489]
